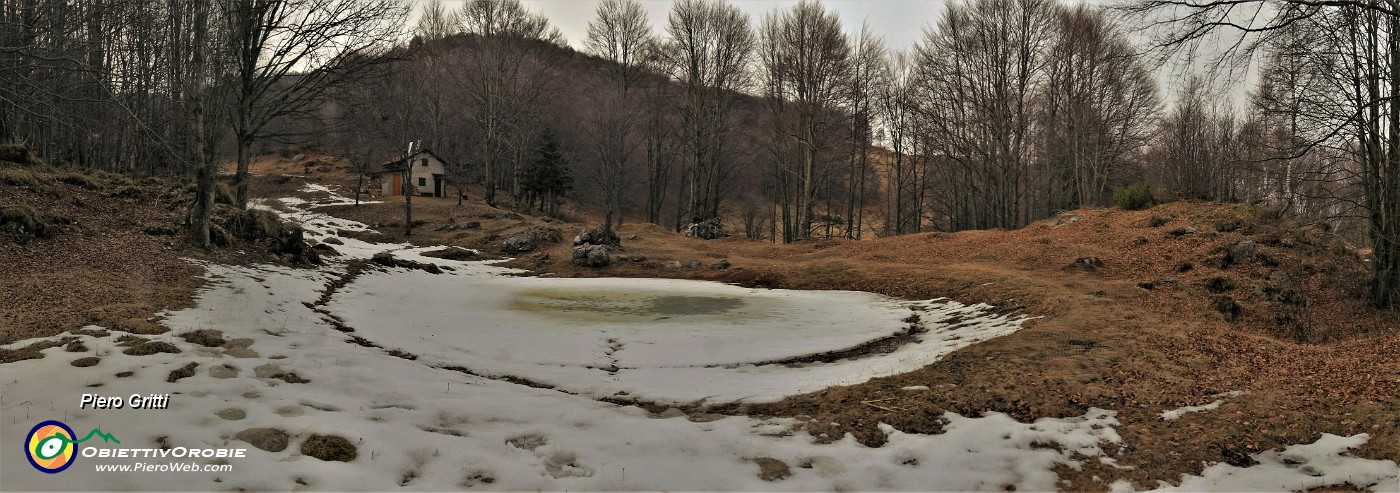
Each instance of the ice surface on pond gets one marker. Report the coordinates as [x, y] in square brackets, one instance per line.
[652, 339]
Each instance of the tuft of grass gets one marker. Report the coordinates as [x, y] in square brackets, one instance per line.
[19, 177]
[151, 347]
[329, 448]
[80, 179]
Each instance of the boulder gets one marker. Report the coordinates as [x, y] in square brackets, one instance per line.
[531, 239]
[591, 256]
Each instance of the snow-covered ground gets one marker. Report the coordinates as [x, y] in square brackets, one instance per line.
[419, 425]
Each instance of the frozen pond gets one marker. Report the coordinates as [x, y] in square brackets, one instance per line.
[654, 339]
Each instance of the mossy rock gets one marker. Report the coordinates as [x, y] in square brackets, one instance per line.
[329, 448]
[267, 439]
[22, 223]
[19, 153]
[151, 347]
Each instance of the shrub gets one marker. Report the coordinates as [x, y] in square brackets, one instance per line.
[1135, 197]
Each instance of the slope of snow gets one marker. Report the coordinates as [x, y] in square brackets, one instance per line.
[425, 428]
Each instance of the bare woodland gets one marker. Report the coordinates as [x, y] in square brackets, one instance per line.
[781, 128]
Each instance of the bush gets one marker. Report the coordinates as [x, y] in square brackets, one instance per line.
[1135, 197]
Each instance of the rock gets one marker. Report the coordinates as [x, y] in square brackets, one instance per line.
[1179, 232]
[223, 371]
[325, 250]
[471, 225]
[591, 256]
[638, 258]
[1089, 264]
[530, 239]
[334, 241]
[86, 362]
[240, 343]
[1068, 219]
[329, 448]
[451, 253]
[231, 414]
[692, 264]
[1242, 252]
[269, 370]
[541, 258]
[597, 236]
[632, 238]
[721, 265]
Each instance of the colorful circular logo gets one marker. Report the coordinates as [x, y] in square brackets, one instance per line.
[50, 446]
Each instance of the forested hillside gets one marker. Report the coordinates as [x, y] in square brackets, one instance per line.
[781, 127]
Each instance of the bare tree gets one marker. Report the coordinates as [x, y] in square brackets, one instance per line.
[288, 53]
[619, 34]
[436, 22]
[810, 64]
[981, 71]
[707, 49]
[501, 82]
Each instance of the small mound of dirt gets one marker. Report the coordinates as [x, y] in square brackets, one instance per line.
[76, 346]
[86, 362]
[267, 439]
[329, 448]
[151, 347]
[185, 371]
[204, 337]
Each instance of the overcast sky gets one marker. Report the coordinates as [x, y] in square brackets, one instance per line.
[899, 22]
